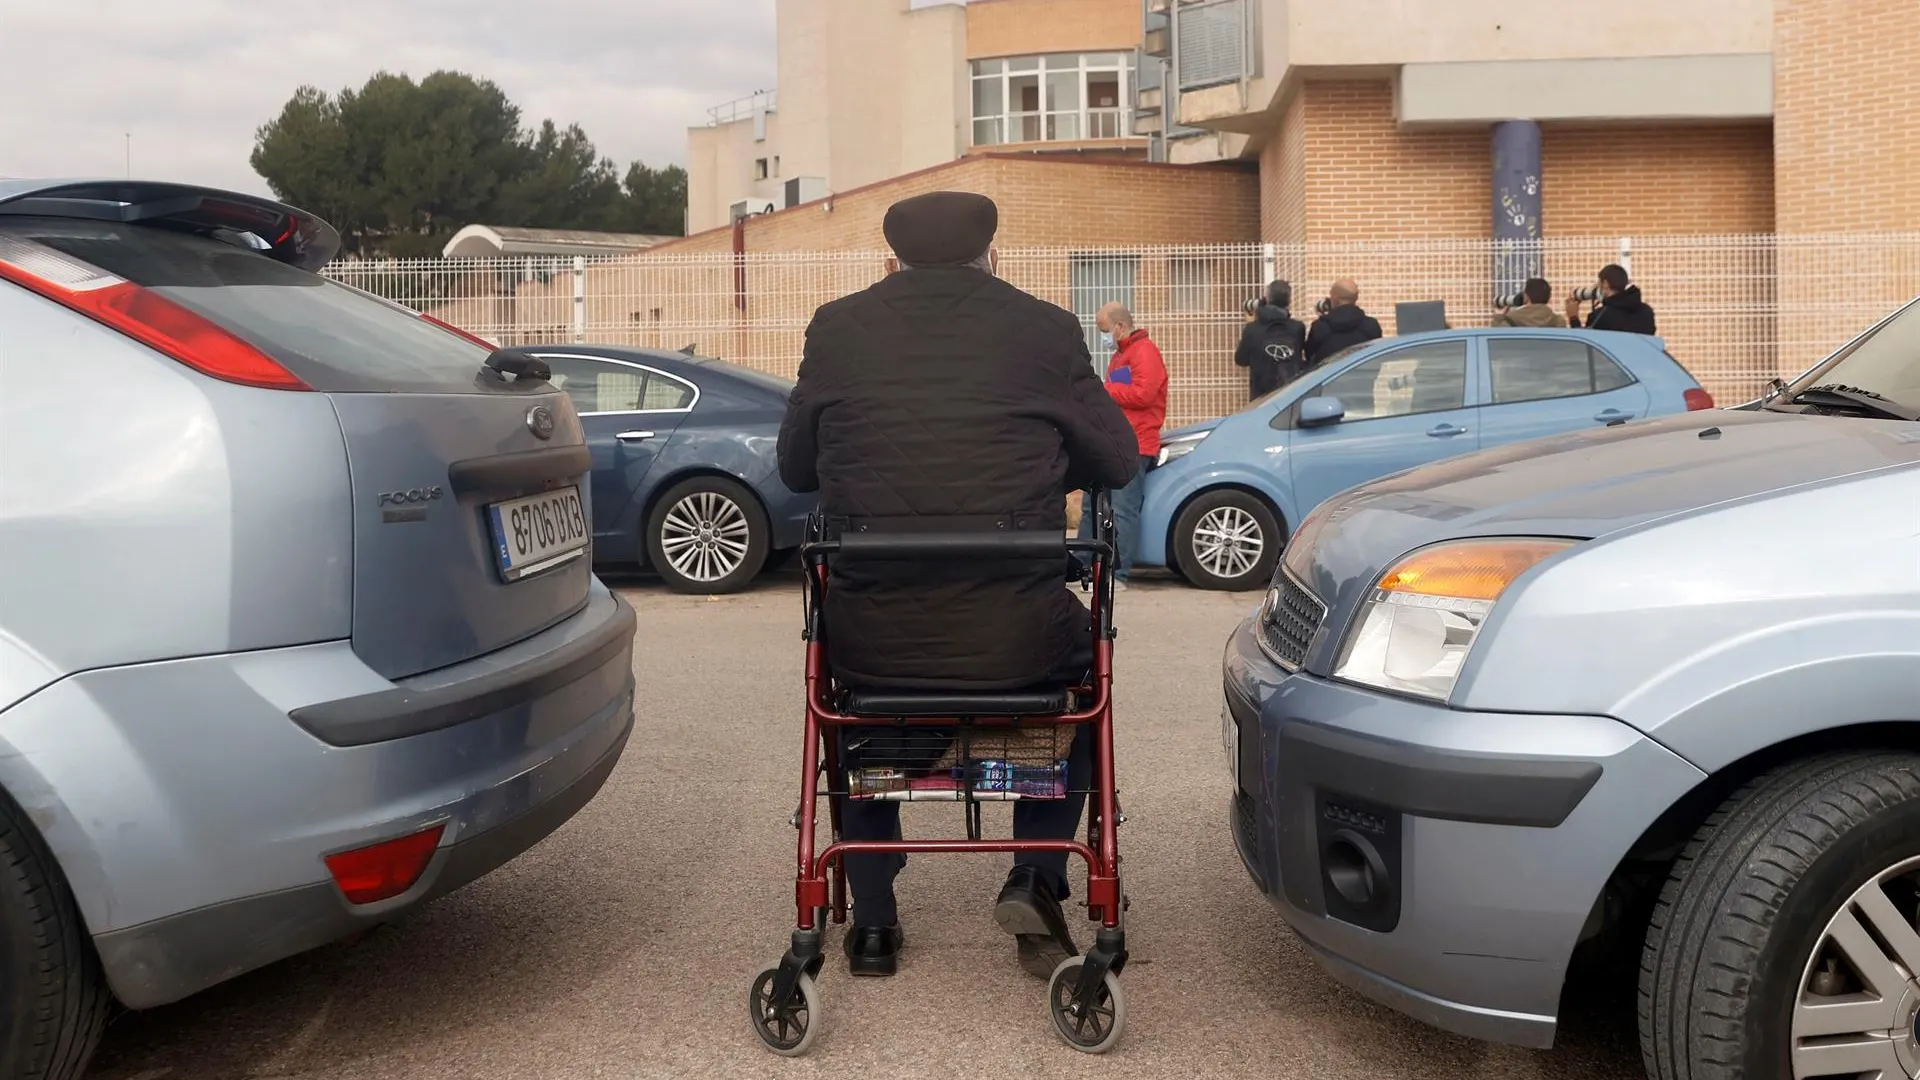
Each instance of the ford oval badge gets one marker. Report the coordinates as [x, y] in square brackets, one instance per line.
[540, 422]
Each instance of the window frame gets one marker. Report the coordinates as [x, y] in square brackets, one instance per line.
[1292, 412]
[1009, 120]
[1593, 352]
[669, 376]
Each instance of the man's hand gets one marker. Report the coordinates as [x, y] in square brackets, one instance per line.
[1499, 309]
[1573, 310]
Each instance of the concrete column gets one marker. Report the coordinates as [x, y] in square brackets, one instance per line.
[1516, 204]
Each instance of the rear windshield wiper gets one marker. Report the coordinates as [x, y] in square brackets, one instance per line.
[1856, 398]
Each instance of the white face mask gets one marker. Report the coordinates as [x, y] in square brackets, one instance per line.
[1106, 339]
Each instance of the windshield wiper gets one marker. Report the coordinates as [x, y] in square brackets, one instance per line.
[1854, 397]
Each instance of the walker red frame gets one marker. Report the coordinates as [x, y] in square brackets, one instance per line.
[821, 880]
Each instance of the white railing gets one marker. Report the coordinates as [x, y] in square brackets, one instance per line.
[742, 108]
[1736, 310]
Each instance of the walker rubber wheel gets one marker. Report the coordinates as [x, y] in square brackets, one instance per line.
[787, 1029]
[1090, 1029]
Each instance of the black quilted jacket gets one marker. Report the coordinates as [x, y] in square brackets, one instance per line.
[944, 399]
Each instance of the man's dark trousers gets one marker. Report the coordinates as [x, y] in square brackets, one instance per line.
[870, 877]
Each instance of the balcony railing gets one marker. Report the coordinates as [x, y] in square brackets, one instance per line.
[742, 108]
[1107, 124]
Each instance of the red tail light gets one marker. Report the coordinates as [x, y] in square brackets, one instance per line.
[143, 315]
[1698, 399]
[370, 874]
[452, 329]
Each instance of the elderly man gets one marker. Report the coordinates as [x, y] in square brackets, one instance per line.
[1343, 326]
[944, 398]
[1137, 379]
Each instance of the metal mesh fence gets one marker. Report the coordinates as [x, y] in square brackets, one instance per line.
[1735, 310]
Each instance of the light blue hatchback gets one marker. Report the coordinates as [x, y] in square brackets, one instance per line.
[1221, 503]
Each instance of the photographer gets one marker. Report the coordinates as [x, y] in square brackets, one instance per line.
[1617, 305]
[1536, 311]
[1273, 344]
[1341, 323]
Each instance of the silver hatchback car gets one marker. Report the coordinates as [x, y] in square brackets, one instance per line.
[298, 627]
[1648, 692]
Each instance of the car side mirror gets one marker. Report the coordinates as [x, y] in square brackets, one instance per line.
[1320, 411]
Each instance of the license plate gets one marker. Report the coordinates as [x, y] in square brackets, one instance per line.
[538, 532]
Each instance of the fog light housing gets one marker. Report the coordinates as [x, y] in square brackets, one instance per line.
[385, 870]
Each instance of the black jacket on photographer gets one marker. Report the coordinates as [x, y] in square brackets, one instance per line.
[1273, 349]
[1624, 311]
[942, 399]
[1338, 329]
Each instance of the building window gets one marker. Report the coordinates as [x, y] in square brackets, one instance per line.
[1061, 97]
[1190, 284]
[759, 168]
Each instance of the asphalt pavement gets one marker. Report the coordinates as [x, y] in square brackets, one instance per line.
[622, 946]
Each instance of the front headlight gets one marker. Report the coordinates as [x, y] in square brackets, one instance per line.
[1414, 633]
[1179, 446]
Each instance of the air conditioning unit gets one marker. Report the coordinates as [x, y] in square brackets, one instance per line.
[804, 189]
[749, 208]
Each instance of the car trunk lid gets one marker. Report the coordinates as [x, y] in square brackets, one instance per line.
[467, 481]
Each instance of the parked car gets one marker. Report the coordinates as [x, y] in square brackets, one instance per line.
[297, 630]
[685, 481]
[1652, 688]
[1219, 506]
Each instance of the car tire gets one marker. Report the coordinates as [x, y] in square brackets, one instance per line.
[1229, 566]
[53, 999]
[723, 559]
[1744, 964]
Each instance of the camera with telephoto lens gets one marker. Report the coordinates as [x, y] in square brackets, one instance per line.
[1325, 305]
[1587, 294]
[1510, 300]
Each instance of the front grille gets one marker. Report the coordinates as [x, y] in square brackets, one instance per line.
[1289, 624]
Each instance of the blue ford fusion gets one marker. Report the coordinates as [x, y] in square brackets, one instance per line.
[684, 479]
[1219, 507]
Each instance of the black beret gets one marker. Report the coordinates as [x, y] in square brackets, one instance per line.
[941, 228]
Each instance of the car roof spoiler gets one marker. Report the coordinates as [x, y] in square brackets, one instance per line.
[285, 233]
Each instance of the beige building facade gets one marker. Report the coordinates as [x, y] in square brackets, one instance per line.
[867, 90]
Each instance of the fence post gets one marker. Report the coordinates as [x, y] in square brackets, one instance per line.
[1269, 265]
[1626, 255]
[579, 299]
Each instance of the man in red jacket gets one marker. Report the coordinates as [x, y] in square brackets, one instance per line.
[1137, 382]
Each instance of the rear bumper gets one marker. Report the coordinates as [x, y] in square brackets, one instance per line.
[191, 815]
[170, 958]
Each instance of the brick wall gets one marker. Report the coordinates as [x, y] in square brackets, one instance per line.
[1683, 179]
[1368, 179]
[1846, 159]
[1030, 27]
[1044, 202]
[1846, 126]
[1283, 177]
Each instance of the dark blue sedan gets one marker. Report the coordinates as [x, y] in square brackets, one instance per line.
[684, 477]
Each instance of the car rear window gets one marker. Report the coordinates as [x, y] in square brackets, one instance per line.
[334, 338]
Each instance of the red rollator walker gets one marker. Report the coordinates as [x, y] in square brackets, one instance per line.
[965, 748]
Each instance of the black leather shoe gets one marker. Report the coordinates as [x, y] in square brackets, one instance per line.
[873, 950]
[1029, 910]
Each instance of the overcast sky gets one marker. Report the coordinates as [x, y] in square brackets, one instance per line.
[192, 79]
